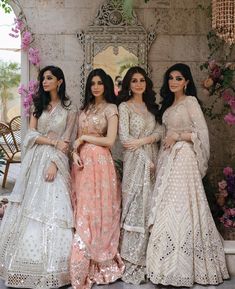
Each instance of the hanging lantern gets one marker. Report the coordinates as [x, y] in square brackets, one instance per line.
[223, 19]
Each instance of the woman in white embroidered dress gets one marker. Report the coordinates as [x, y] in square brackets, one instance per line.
[184, 246]
[36, 232]
[139, 133]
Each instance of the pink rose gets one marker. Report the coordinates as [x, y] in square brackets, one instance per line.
[216, 72]
[230, 118]
[228, 171]
[227, 94]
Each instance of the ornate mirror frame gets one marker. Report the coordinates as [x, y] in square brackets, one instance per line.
[112, 28]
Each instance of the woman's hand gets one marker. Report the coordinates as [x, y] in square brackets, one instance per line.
[78, 142]
[132, 145]
[51, 172]
[77, 160]
[170, 140]
[63, 146]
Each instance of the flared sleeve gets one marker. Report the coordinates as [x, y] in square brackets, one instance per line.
[200, 136]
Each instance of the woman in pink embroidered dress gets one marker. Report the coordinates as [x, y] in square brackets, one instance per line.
[95, 194]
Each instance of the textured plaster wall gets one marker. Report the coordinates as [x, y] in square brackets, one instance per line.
[181, 28]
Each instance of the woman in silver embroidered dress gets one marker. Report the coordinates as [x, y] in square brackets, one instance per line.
[184, 245]
[139, 133]
[36, 232]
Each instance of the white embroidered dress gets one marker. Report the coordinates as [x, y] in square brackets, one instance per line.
[36, 231]
[184, 245]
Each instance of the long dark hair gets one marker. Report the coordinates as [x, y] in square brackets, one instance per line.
[108, 88]
[42, 98]
[149, 96]
[167, 95]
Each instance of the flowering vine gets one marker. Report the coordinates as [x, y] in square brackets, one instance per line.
[27, 39]
[219, 83]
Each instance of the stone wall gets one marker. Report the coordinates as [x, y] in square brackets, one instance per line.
[181, 27]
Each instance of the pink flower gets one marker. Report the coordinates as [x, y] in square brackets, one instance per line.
[216, 72]
[228, 223]
[230, 118]
[232, 104]
[222, 185]
[19, 24]
[228, 171]
[230, 212]
[34, 57]
[26, 40]
[227, 94]
[33, 86]
[22, 89]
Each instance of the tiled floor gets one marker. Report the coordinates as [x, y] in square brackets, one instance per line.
[230, 284]
[13, 172]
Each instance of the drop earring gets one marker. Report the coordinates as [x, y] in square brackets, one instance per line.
[129, 92]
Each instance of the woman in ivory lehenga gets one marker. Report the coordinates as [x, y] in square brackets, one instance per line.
[184, 246]
[36, 231]
[96, 196]
[139, 133]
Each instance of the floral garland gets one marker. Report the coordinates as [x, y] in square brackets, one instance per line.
[219, 83]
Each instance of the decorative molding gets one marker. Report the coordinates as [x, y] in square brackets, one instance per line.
[112, 28]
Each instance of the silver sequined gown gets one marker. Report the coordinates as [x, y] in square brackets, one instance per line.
[36, 231]
[184, 245]
[137, 185]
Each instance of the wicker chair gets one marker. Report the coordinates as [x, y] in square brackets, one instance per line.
[10, 140]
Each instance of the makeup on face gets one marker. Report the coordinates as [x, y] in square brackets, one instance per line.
[176, 82]
[97, 86]
[138, 83]
[49, 81]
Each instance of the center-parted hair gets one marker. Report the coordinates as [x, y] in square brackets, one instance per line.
[42, 98]
[109, 95]
[149, 96]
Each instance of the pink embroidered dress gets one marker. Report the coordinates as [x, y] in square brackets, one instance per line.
[96, 200]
